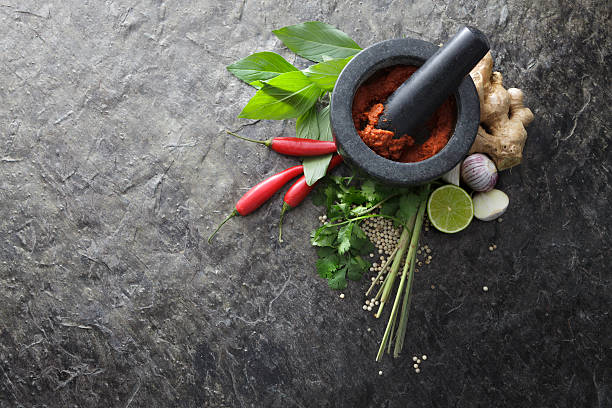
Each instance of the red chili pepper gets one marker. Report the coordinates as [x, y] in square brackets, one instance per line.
[294, 146]
[259, 194]
[299, 191]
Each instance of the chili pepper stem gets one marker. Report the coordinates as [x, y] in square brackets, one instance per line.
[232, 215]
[263, 142]
[286, 207]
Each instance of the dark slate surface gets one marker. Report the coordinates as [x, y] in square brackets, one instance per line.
[114, 167]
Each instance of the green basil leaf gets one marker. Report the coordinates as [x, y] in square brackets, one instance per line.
[260, 66]
[325, 132]
[326, 73]
[315, 167]
[313, 40]
[307, 125]
[257, 84]
[285, 96]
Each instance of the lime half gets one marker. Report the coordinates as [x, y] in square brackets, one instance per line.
[450, 208]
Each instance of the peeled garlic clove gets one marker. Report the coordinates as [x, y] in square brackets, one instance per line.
[490, 205]
[479, 172]
[452, 176]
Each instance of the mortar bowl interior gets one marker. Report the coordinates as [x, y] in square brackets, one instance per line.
[405, 51]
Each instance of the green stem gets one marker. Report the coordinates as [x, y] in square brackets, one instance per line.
[364, 217]
[263, 142]
[382, 270]
[286, 207]
[410, 259]
[401, 329]
[232, 215]
[397, 260]
[380, 290]
[378, 204]
[391, 321]
[408, 265]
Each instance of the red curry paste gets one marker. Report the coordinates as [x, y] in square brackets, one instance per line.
[368, 106]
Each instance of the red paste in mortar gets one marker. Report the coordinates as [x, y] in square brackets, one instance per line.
[368, 107]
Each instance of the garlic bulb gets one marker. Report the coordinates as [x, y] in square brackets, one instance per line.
[479, 172]
[490, 205]
[452, 176]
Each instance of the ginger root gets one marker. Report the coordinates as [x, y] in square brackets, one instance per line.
[503, 118]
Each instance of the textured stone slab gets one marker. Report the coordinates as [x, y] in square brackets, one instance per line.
[114, 168]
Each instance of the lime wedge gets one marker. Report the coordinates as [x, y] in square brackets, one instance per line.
[450, 209]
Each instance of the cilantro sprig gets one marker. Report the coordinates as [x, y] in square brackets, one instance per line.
[342, 244]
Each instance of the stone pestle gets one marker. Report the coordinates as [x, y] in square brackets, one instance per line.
[409, 107]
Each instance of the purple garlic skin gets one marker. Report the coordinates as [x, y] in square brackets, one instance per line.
[479, 172]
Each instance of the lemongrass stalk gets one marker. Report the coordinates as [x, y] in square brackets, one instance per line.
[410, 258]
[397, 261]
[388, 330]
[390, 278]
[382, 270]
[414, 240]
[392, 323]
[401, 329]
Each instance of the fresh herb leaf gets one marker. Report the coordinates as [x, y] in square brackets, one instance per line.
[260, 66]
[358, 232]
[368, 188]
[355, 212]
[326, 73]
[338, 210]
[324, 236]
[330, 195]
[318, 197]
[307, 124]
[286, 96]
[359, 242]
[344, 238]
[356, 267]
[324, 122]
[324, 252]
[315, 167]
[338, 280]
[313, 40]
[352, 196]
[390, 207]
[326, 266]
[408, 207]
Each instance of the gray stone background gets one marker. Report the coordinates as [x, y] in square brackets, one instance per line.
[114, 168]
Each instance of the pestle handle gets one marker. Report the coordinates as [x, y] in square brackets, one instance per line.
[418, 98]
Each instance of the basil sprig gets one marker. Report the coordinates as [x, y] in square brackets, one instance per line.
[284, 92]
